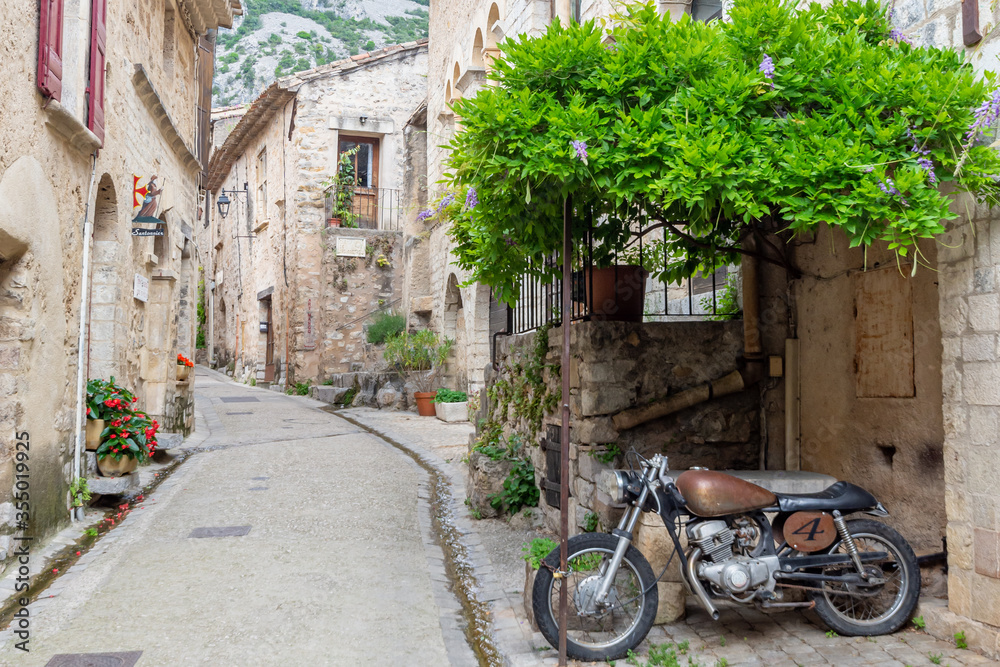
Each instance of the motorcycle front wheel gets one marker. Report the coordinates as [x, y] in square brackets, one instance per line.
[596, 634]
[880, 609]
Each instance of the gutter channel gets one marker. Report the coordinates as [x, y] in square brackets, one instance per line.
[458, 565]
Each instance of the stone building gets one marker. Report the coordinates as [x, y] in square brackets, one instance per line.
[887, 381]
[101, 97]
[289, 296]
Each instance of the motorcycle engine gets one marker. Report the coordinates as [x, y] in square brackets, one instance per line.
[729, 572]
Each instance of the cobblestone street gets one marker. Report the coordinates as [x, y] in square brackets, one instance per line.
[339, 565]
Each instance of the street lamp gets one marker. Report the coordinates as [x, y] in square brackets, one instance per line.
[223, 204]
[223, 201]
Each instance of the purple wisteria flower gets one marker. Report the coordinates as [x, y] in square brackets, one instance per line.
[766, 67]
[471, 199]
[927, 165]
[423, 215]
[444, 203]
[509, 241]
[986, 115]
[888, 187]
[899, 37]
[581, 150]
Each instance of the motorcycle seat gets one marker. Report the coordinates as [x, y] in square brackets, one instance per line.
[842, 496]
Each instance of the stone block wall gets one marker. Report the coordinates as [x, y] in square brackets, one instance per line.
[354, 290]
[614, 366]
[969, 261]
[47, 166]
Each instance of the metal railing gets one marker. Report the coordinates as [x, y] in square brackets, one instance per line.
[365, 208]
[597, 292]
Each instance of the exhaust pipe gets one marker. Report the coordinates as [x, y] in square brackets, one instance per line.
[696, 586]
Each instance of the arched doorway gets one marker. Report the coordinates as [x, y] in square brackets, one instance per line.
[106, 285]
[454, 328]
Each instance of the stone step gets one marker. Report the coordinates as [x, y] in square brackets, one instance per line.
[113, 486]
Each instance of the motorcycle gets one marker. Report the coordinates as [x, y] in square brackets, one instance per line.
[860, 575]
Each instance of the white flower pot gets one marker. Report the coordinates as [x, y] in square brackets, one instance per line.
[452, 412]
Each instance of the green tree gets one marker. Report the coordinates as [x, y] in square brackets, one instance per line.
[780, 120]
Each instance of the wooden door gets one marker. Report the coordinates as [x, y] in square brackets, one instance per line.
[269, 347]
[365, 160]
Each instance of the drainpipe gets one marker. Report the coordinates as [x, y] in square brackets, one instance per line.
[88, 232]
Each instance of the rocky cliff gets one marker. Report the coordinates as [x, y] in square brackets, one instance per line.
[275, 38]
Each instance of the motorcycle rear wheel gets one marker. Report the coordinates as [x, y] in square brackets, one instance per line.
[853, 610]
[610, 634]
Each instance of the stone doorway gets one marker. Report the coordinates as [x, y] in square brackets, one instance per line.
[107, 326]
[454, 328]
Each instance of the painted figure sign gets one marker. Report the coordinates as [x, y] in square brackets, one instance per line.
[147, 199]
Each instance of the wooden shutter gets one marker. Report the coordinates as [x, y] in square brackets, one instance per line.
[206, 72]
[98, 58]
[50, 48]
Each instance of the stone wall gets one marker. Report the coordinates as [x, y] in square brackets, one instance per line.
[47, 166]
[614, 366]
[968, 258]
[355, 289]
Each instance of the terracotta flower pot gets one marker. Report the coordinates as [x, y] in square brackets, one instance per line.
[425, 403]
[111, 468]
[183, 372]
[94, 429]
[616, 293]
[333, 222]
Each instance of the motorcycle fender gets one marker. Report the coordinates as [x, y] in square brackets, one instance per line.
[809, 532]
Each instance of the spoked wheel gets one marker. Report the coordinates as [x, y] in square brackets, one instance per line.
[879, 608]
[596, 632]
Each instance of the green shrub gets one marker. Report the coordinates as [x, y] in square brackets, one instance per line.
[536, 550]
[417, 356]
[450, 396]
[385, 325]
[519, 489]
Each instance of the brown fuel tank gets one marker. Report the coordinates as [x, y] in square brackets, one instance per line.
[711, 493]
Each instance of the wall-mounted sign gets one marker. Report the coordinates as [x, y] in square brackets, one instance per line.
[145, 231]
[146, 198]
[351, 247]
[263, 327]
[140, 288]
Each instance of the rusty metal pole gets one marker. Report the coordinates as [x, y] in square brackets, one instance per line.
[567, 280]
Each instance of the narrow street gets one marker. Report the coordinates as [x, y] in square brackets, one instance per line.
[334, 568]
[338, 563]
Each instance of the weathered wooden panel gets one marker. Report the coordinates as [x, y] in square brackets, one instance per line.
[883, 313]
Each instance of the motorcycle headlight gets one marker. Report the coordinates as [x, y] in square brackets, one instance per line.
[615, 482]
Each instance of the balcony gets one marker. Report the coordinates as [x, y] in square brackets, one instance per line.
[366, 208]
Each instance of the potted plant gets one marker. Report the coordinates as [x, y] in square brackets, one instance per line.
[418, 357]
[451, 406]
[342, 198]
[105, 401]
[130, 440]
[184, 366]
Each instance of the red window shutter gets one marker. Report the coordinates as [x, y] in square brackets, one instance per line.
[50, 48]
[98, 57]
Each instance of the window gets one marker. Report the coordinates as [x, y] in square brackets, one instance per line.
[365, 160]
[261, 207]
[72, 61]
